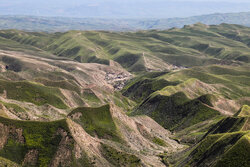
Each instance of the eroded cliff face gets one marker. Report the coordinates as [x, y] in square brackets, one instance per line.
[50, 105]
[31, 158]
[67, 143]
[63, 155]
[4, 134]
[135, 134]
[45, 86]
[69, 85]
[11, 134]
[26, 144]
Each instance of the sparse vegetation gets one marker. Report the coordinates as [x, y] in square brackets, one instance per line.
[37, 135]
[159, 141]
[30, 92]
[118, 158]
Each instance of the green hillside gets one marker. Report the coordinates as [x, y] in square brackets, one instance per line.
[176, 111]
[190, 46]
[189, 91]
[177, 97]
[40, 137]
[222, 146]
[190, 101]
[33, 143]
[34, 93]
[96, 121]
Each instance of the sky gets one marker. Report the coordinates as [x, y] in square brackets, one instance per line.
[122, 8]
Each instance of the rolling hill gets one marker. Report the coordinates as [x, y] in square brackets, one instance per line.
[177, 97]
[154, 50]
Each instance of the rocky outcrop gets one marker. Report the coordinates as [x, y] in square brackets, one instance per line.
[63, 156]
[4, 133]
[30, 158]
[10, 132]
[75, 116]
[2, 68]
[87, 143]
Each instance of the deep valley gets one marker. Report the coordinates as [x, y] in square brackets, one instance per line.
[177, 97]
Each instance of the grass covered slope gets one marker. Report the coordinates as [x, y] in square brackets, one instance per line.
[118, 158]
[206, 83]
[49, 86]
[200, 98]
[185, 83]
[229, 125]
[220, 147]
[141, 87]
[31, 92]
[194, 109]
[175, 112]
[145, 50]
[230, 82]
[226, 143]
[244, 111]
[96, 122]
[238, 155]
[88, 137]
[32, 143]
[234, 78]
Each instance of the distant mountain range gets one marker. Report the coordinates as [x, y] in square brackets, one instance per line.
[54, 24]
[133, 9]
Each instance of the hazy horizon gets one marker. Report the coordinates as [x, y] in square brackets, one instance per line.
[122, 9]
